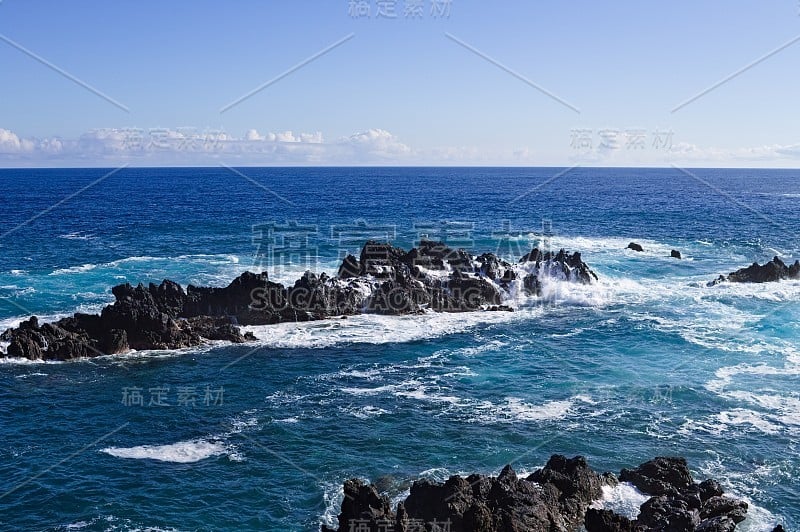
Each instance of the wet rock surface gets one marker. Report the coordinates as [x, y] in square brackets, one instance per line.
[561, 496]
[774, 270]
[384, 279]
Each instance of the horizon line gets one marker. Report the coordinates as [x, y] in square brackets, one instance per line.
[298, 166]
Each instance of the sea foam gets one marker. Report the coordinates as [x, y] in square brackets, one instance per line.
[183, 452]
[623, 499]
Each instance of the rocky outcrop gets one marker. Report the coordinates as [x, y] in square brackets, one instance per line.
[635, 247]
[140, 318]
[677, 502]
[560, 265]
[675, 254]
[558, 497]
[606, 520]
[384, 279]
[63, 340]
[774, 270]
[662, 476]
[553, 498]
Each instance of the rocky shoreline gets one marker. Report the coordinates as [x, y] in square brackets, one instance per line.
[562, 496]
[384, 279]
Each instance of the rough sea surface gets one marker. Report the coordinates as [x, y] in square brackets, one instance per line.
[648, 361]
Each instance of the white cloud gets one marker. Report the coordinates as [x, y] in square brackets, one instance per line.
[377, 143]
[187, 146]
[13, 146]
[687, 154]
[789, 151]
[9, 142]
[193, 146]
[252, 135]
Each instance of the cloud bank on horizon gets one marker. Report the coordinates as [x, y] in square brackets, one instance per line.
[187, 146]
[194, 146]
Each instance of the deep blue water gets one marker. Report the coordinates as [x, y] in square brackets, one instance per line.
[649, 361]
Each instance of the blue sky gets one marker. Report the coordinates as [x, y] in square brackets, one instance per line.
[427, 89]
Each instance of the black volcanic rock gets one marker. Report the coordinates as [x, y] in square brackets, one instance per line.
[574, 482]
[717, 524]
[709, 488]
[675, 254]
[381, 259]
[774, 270]
[218, 328]
[169, 297]
[362, 503]
[721, 506]
[635, 247]
[393, 297]
[235, 300]
[493, 267]
[146, 323]
[140, 318]
[557, 500]
[678, 503]
[49, 341]
[668, 513]
[435, 255]
[533, 255]
[557, 497]
[384, 279]
[471, 293]
[532, 285]
[349, 268]
[607, 521]
[661, 476]
[561, 265]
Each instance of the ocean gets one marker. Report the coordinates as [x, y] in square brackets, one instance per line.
[648, 361]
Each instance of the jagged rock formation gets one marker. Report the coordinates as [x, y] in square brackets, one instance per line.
[558, 497]
[384, 280]
[553, 498]
[677, 502]
[774, 270]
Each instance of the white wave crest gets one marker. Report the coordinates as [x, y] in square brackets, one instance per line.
[377, 329]
[183, 452]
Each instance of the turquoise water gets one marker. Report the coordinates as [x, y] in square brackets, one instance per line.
[648, 361]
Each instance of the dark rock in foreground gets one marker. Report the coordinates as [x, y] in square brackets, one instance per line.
[553, 498]
[662, 476]
[774, 270]
[558, 497]
[383, 280]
